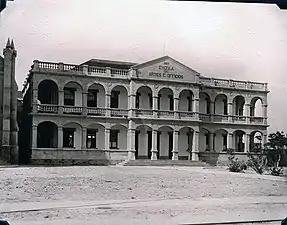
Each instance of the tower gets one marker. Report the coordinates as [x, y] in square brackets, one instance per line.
[8, 104]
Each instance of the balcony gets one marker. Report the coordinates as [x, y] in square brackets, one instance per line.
[96, 111]
[43, 108]
[119, 112]
[72, 110]
[39, 66]
[148, 113]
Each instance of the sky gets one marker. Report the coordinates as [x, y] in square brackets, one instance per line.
[222, 40]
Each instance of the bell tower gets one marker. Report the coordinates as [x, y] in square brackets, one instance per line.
[9, 142]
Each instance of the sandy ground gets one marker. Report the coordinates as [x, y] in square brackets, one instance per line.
[145, 195]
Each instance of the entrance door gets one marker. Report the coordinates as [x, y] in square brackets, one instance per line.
[170, 144]
[149, 143]
[137, 144]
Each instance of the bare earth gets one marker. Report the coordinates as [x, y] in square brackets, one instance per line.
[145, 195]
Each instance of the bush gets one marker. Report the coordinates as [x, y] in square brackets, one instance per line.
[235, 165]
[258, 162]
[276, 171]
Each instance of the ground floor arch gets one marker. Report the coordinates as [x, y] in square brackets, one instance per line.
[165, 142]
[118, 137]
[220, 140]
[185, 140]
[47, 135]
[143, 142]
[204, 140]
[256, 141]
[239, 141]
[95, 137]
[72, 135]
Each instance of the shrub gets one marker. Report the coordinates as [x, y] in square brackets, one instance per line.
[258, 161]
[276, 171]
[235, 164]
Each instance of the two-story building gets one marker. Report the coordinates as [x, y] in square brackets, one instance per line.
[110, 111]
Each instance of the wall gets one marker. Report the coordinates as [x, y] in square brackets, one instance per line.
[164, 100]
[122, 138]
[202, 103]
[144, 98]
[219, 105]
[143, 142]
[183, 142]
[183, 101]
[218, 141]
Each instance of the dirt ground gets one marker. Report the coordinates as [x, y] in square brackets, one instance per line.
[161, 194]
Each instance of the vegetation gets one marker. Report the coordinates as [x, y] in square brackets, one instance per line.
[273, 155]
[235, 165]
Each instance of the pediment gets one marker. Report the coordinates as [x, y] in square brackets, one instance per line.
[165, 68]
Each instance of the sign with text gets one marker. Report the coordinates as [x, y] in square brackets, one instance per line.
[166, 71]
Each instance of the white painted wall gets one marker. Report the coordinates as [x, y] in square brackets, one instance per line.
[183, 142]
[202, 103]
[122, 136]
[202, 140]
[77, 135]
[164, 141]
[123, 97]
[219, 105]
[101, 96]
[183, 101]
[100, 135]
[164, 100]
[78, 93]
[144, 98]
[218, 140]
[143, 141]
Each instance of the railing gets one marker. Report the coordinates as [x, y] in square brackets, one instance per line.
[165, 113]
[119, 72]
[233, 83]
[220, 118]
[48, 65]
[47, 108]
[258, 120]
[119, 112]
[72, 68]
[143, 112]
[96, 111]
[204, 117]
[96, 70]
[72, 109]
[239, 118]
[186, 114]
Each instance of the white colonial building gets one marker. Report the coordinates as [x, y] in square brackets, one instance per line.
[112, 111]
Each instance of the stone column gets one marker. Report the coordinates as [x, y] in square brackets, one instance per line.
[34, 136]
[154, 149]
[247, 112]
[154, 106]
[61, 101]
[211, 110]
[175, 145]
[195, 146]
[84, 103]
[211, 139]
[264, 113]
[196, 107]
[108, 105]
[107, 139]
[246, 142]
[230, 111]
[84, 138]
[175, 107]
[35, 100]
[132, 104]
[229, 141]
[60, 137]
[132, 136]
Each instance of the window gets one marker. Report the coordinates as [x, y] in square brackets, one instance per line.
[69, 96]
[224, 106]
[189, 103]
[114, 139]
[150, 100]
[68, 137]
[170, 102]
[115, 99]
[224, 136]
[158, 101]
[92, 138]
[207, 141]
[138, 100]
[93, 98]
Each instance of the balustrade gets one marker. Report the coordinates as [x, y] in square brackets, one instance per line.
[119, 112]
[47, 108]
[96, 111]
[72, 109]
[165, 113]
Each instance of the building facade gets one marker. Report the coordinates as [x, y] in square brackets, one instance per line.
[110, 111]
[8, 106]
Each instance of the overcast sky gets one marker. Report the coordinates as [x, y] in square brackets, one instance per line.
[224, 40]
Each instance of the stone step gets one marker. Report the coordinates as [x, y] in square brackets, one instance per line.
[148, 162]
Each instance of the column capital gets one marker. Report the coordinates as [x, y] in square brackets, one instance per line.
[247, 104]
[34, 126]
[60, 126]
[176, 132]
[230, 103]
[107, 130]
[176, 98]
